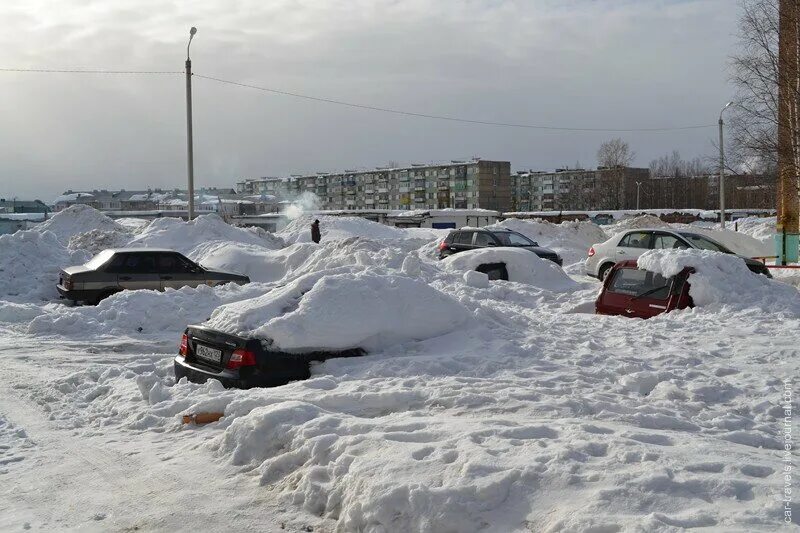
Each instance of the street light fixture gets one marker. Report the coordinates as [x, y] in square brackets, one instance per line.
[189, 140]
[722, 169]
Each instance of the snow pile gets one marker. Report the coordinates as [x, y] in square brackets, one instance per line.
[175, 234]
[723, 281]
[523, 266]
[737, 242]
[76, 219]
[344, 308]
[636, 222]
[336, 228]
[97, 240]
[302, 258]
[30, 262]
[760, 228]
[570, 239]
[253, 260]
[142, 311]
[133, 225]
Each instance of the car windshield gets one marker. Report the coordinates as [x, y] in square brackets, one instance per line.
[507, 238]
[640, 283]
[99, 260]
[704, 243]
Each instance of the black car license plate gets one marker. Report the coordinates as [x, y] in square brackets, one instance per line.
[206, 353]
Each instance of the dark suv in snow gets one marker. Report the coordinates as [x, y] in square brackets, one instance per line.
[118, 269]
[473, 238]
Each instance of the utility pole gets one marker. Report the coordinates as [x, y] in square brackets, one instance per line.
[189, 140]
[787, 238]
[638, 193]
[722, 169]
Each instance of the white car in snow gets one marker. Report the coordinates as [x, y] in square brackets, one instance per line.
[633, 243]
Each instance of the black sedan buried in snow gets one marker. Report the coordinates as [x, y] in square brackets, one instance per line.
[114, 270]
[239, 362]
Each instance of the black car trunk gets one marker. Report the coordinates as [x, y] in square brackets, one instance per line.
[211, 348]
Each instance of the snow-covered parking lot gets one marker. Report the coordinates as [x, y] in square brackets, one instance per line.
[481, 406]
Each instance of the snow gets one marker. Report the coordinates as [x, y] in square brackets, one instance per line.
[481, 406]
[175, 234]
[760, 228]
[723, 281]
[338, 309]
[341, 227]
[522, 266]
[29, 265]
[78, 219]
[145, 312]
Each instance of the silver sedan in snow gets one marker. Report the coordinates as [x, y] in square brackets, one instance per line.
[118, 269]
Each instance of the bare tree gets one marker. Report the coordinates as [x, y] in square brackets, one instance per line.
[674, 166]
[753, 123]
[615, 155]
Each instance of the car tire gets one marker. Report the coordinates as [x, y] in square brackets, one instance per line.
[604, 270]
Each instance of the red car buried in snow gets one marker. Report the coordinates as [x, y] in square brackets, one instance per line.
[633, 292]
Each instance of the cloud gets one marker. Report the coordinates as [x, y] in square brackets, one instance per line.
[597, 63]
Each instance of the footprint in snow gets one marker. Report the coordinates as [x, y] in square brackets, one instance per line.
[651, 438]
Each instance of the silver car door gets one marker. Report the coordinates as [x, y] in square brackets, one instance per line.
[633, 245]
[176, 271]
[139, 272]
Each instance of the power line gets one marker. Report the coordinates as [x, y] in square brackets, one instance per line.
[363, 106]
[88, 71]
[449, 118]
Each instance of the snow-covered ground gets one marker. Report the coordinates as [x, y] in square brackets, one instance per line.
[482, 406]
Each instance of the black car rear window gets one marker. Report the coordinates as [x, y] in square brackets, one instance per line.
[633, 282]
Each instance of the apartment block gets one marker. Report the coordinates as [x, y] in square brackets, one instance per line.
[577, 189]
[469, 184]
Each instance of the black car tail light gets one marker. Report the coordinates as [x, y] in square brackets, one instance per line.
[184, 349]
[241, 357]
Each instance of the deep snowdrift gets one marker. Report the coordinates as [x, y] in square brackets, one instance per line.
[29, 265]
[184, 237]
[337, 228]
[723, 281]
[481, 407]
[78, 219]
[140, 312]
[343, 308]
[522, 266]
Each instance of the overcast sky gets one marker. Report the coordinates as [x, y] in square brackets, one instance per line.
[573, 63]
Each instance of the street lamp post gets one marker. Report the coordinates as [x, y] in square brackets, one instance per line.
[638, 193]
[189, 141]
[722, 169]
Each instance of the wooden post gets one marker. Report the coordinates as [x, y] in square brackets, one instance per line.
[788, 221]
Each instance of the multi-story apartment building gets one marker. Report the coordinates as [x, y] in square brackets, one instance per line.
[458, 184]
[577, 189]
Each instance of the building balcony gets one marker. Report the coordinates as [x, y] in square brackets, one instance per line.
[383, 189]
